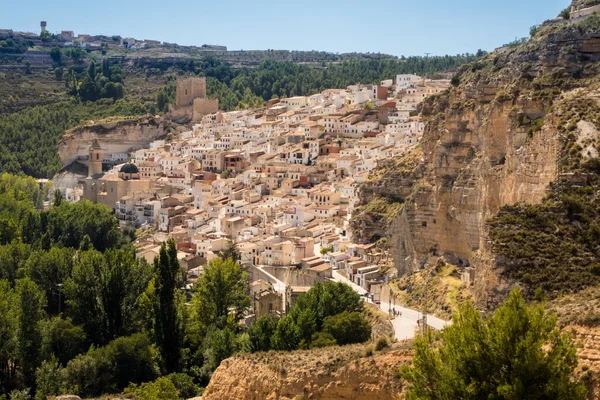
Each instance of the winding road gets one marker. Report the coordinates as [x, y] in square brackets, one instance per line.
[404, 325]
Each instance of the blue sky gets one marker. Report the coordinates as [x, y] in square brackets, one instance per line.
[397, 27]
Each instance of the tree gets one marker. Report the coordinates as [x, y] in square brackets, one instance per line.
[8, 337]
[260, 333]
[27, 67]
[104, 293]
[56, 55]
[30, 302]
[167, 325]
[287, 336]
[231, 251]
[347, 328]
[517, 353]
[50, 379]
[220, 298]
[58, 198]
[62, 340]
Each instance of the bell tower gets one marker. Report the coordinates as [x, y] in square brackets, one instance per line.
[95, 159]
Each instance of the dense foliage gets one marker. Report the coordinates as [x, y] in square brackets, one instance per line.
[29, 138]
[79, 313]
[517, 353]
[95, 83]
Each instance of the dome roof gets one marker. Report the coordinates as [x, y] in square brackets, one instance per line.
[129, 168]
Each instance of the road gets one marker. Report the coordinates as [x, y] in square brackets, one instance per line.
[404, 325]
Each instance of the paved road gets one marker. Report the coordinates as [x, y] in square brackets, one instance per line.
[405, 325]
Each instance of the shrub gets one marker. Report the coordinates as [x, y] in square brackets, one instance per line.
[185, 385]
[381, 344]
[161, 389]
[322, 339]
[348, 327]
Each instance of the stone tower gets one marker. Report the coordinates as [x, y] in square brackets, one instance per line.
[95, 159]
[189, 89]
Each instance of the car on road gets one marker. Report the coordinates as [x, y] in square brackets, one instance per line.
[377, 302]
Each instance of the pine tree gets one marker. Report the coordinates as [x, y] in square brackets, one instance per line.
[518, 353]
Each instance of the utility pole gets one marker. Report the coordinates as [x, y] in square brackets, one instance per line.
[425, 305]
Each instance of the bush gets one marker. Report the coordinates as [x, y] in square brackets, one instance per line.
[382, 343]
[111, 368]
[322, 339]
[161, 389]
[50, 379]
[185, 385]
[348, 327]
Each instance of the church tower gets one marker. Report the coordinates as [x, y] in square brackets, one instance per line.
[95, 159]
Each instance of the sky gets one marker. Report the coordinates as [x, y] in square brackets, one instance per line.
[397, 27]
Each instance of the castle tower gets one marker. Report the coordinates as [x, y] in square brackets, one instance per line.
[95, 159]
[43, 26]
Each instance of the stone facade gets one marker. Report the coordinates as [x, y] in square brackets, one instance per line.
[188, 90]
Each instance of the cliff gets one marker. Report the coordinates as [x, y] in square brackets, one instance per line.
[330, 373]
[503, 134]
[115, 135]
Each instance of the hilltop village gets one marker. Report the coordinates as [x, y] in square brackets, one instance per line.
[280, 182]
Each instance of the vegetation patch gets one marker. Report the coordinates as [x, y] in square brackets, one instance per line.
[553, 246]
[438, 289]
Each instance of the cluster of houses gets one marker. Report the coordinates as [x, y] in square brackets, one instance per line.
[280, 182]
[68, 39]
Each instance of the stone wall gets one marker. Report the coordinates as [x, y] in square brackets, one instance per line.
[203, 107]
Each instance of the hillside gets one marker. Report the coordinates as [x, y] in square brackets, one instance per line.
[327, 374]
[506, 178]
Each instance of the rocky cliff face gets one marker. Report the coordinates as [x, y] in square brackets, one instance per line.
[327, 374]
[118, 135]
[494, 139]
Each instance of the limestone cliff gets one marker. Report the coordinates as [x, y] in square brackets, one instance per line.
[116, 135]
[495, 138]
[327, 374]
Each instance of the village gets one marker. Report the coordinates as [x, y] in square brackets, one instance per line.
[279, 183]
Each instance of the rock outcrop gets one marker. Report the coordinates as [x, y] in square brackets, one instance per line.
[116, 135]
[494, 139]
[327, 374]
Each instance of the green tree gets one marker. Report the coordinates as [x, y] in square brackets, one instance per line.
[8, 337]
[56, 55]
[260, 333]
[231, 251]
[62, 340]
[58, 198]
[517, 353]
[347, 328]
[50, 379]
[220, 297]
[287, 336]
[168, 319]
[29, 302]
[105, 292]
[49, 269]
